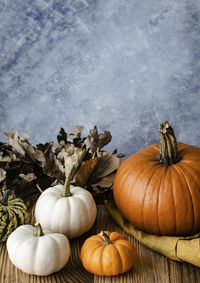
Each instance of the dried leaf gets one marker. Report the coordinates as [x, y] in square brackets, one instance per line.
[92, 140]
[76, 132]
[104, 139]
[97, 141]
[44, 147]
[15, 141]
[58, 147]
[38, 155]
[23, 147]
[62, 136]
[29, 177]
[5, 158]
[2, 175]
[6, 153]
[73, 155]
[106, 182]
[50, 167]
[85, 171]
[60, 165]
[106, 165]
[60, 155]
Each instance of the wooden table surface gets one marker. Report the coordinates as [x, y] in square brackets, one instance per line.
[150, 267]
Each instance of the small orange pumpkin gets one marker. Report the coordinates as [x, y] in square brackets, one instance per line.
[158, 188]
[108, 253]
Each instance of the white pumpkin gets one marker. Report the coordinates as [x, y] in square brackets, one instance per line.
[66, 209]
[37, 252]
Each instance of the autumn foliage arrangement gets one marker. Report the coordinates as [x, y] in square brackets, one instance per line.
[28, 170]
[59, 182]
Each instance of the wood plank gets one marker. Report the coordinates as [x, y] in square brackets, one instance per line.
[150, 267]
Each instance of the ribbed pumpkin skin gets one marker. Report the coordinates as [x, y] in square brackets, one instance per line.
[11, 216]
[71, 216]
[38, 255]
[160, 199]
[109, 260]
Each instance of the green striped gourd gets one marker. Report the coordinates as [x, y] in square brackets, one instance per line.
[12, 214]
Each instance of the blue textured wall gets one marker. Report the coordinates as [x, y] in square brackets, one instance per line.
[124, 66]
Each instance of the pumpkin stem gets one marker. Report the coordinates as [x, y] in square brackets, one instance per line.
[168, 150]
[66, 187]
[4, 200]
[107, 240]
[38, 232]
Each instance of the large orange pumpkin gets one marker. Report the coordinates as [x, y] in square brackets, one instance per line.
[158, 188]
[108, 253]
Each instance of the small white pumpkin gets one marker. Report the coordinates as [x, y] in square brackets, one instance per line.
[66, 209]
[37, 252]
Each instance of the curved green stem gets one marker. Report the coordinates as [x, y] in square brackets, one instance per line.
[107, 240]
[4, 200]
[38, 232]
[168, 150]
[66, 187]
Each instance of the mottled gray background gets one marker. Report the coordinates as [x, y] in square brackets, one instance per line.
[124, 66]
